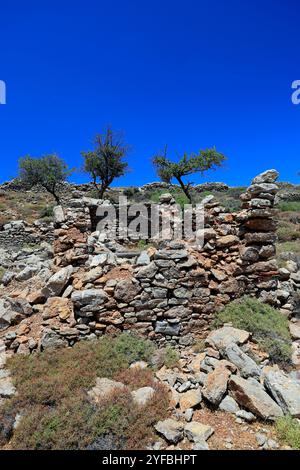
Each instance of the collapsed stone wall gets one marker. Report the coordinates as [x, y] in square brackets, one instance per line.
[171, 291]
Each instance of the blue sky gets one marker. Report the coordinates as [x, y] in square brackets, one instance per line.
[190, 74]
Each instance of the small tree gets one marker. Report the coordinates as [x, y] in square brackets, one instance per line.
[106, 163]
[48, 171]
[167, 170]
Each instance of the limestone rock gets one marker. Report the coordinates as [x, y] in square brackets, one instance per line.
[251, 395]
[57, 282]
[170, 429]
[126, 290]
[216, 385]
[229, 404]
[284, 389]
[197, 432]
[103, 388]
[246, 365]
[227, 334]
[143, 395]
[190, 399]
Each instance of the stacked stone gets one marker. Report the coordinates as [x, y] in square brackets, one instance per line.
[258, 234]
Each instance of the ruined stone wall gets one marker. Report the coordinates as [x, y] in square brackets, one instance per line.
[171, 290]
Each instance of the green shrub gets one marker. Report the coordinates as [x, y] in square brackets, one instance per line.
[131, 191]
[52, 397]
[171, 357]
[46, 212]
[268, 326]
[288, 431]
[289, 206]
[288, 246]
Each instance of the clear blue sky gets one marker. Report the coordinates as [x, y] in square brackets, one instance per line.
[189, 73]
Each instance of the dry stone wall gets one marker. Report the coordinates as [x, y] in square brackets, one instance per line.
[171, 290]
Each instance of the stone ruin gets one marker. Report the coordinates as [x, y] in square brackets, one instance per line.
[170, 291]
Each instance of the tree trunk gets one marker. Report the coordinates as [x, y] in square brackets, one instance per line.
[184, 188]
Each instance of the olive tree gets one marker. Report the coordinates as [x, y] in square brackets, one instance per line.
[106, 162]
[188, 164]
[48, 171]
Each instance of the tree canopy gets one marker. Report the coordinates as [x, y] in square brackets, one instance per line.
[48, 171]
[188, 164]
[106, 161]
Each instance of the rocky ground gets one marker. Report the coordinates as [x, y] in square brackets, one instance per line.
[220, 398]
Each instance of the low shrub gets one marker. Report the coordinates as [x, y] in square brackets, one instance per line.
[46, 212]
[289, 206]
[268, 326]
[288, 431]
[56, 412]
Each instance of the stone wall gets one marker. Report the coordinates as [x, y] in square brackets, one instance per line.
[171, 290]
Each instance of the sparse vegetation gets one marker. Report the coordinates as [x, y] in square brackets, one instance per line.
[106, 162]
[56, 411]
[268, 326]
[187, 165]
[288, 431]
[48, 171]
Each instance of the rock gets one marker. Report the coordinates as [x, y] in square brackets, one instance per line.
[166, 198]
[166, 328]
[27, 273]
[216, 385]
[7, 315]
[57, 282]
[126, 291]
[260, 438]
[51, 340]
[98, 260]
[189, 414]
[57, 307]
[58, 215]
[246, 365]
[147, 272]
[268, 176]
[284, 390]
[295, 330]
[89, 300]
[197, 432]
[171, 430]
[227, 334]
[201, 445]
[190, 399]
[229, 405]
[251, 395]
[7, 388]
[143, 259]
[246, 415]
[103, 388]
[143, 395]
[138, 365]
[226, 241]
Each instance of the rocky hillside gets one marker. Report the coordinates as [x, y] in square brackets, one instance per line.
[223, 366]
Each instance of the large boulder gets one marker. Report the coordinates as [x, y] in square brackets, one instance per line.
[268, 176]
[246, 365]
[57, 282]
[143, 395]
[251, 395]
[220, 338]
[284, 389]
[215, 385]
